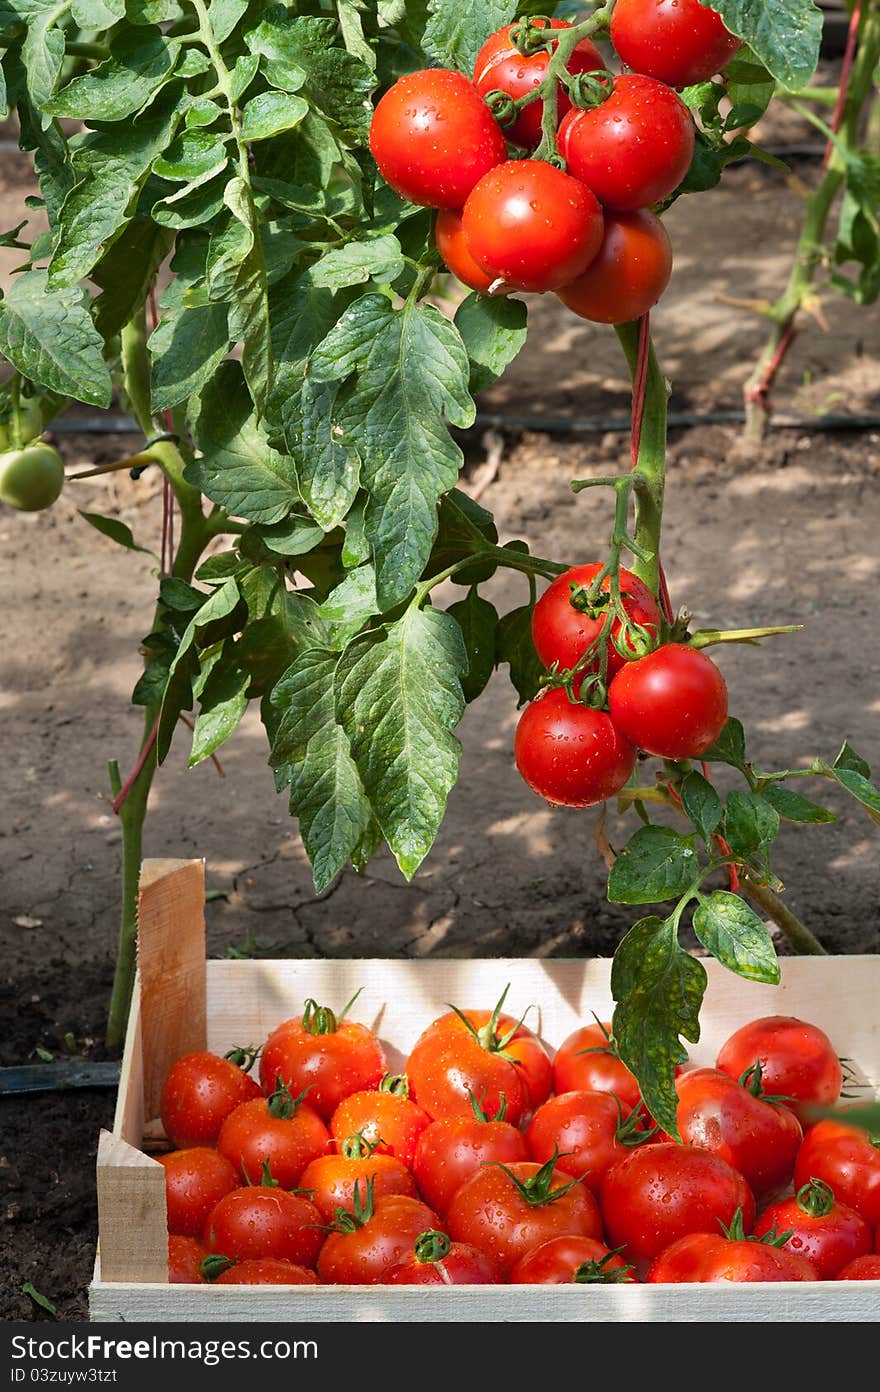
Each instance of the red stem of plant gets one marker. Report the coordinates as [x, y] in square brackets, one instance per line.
[761, 390]
[849, 58]
[722, 844]
[132, 777]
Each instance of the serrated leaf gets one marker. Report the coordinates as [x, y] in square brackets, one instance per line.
[349, 606]
[186, 348]
[328, 463]
[784, 34]
[223, 703]
[659, 989]
[140, 63]
[352, 29]
[701, 803]
[117, 531]
[751, 823]
[455, 34]
[793, 807]
[478, 621]
[849, 759]
[514, 645]
[300, 315]
[238, 467]
[279, 623]
[310, 750]
[295, 536]
[398, 697]
[49, 336]
[334, 82]
[463, 530]
[43, 51]
[411, 378]
[733, 932]
[194, 205]
[656, 864]
[270, 113]
[493, 331]
[730, 747]
[379, 259]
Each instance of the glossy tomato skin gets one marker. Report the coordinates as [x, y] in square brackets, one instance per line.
[557, 1262]
[251, 1135]
[531, 226]
[265, 1221]
[862, 1269]
[500, 67]
[489, 1213]
[707, 1258]
[451, 1150]
[586, 1062]
[433, 138]
[677, 41]
[826, 1232]
[267, 1271]
[672, 703]
[364, 1256]
[758, 1138]
[332, 1179]
[195, 1180]
[797, 1060]
[452, 246]
[522, 1047]
[629, 273]
[31, 478]
[332, 1066]
[185, 1255]
[562, 633]
[661, 1193]
[199, 1092]
[449, 1065]
[461, 1266]
[570, 755]
[635, 148]
[584, 1128]
[388, 1121]
[848, 1160]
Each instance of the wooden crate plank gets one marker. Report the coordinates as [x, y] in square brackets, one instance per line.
[132, 1218]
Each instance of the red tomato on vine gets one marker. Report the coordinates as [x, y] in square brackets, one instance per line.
[501, 67]
[567, 620]
[678, 41]
[672, 703]
[629, 273]
[452, 246]
[569, 754]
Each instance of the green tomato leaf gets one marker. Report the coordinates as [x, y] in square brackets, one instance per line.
[859, 787]
[398, 697]
[478, 621]
[514, 645]
[730, 747]
[300, 315]
[224, 15]
[295, 536]
[659, 989]
[237, 274]
[299, 52]
[270, 113]
[186, 348]
[849, 759]
[733, 932]
[493, 331]
[327, 461]
[701, 803]
[223, 703]
[178, 694]
[455, 34]
[378, 259]
[192, 158]
[125, 274]
[784, 34]
[43, 49]
[656, 864]
[751, 823]
[117, 531]
[140, 63]
[238, 468]
[349, 606]
[793, 807]
[49, 336]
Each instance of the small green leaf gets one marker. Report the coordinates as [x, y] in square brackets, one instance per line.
[327, 461]
[493, 331]
[39, 1299]
[656, 864]
[140, 63]
[455, 34]
[730, 747]
[193, 157]
[751, 823]
[350, 605]
[379, 259]
[849, 759]
[659, 989]
[301, 52]
[478, 621]
[117, 531]
[859, 787]
[701, 803]
[186, 348]
[733, 932]
[269, 113]
[223, 703]
[784, 34]
[295, 536]
[49, 336]
[178, 695]
[514, 645]
[794, 808]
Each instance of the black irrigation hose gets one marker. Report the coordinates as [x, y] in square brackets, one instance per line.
[57, 1077]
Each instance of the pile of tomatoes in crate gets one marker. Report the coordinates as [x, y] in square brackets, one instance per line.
[520, 223]
[490, 1161]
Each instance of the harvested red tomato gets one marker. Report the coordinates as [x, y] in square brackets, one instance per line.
[568, 619]
[564, 1261]
[501, 67]
[437, 1261]
[531, 226]
[453, 247]
[482, 1054]
[507, 1210]
[331, 1057]
[331, 1180]
[678, 41]
[824, 1231]
[195, 1180]
[672, 703]
[433, 137]
[862, 1269]
[388, 1120]
[635, 148]
[185, 1256]
[588, 1061]
[449, 1151]
[200, 1091]
[266, 1271]
[848, 1159]
[707, 1257]
[586, 1133]
[569, 754]
[372, 1237]
[741, 1122]
[629, 273]
[262, 1220]
[797, 1060]
[282, 1129]
[661, 1193]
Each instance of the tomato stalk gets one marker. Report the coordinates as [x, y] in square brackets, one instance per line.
[564, 46]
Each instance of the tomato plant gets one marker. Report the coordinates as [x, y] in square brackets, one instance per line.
[241, 245]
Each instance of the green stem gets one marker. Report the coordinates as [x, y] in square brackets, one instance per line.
[565, 45]
[649, 475]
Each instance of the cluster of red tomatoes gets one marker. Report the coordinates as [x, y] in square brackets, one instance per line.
[489, 1161]
[671, 702]
[522, 224]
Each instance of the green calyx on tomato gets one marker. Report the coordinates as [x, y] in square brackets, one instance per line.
[214, 1265]
[244, 1058]
[320, 1019]
[629, 1130]
[600, 1272]
[431, 1246]
[357, 1147]
[735, 1232]
[532, 34]
[266, 1180]
[31, 478]
[815, 1198]
[753, 1081]
[482, 1114]
[282, 1104]
[587, 90]
[536, 1190]
[349, 1220]
[395, 1083]
[488, 1037]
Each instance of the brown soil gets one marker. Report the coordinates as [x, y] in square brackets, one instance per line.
[787, 536]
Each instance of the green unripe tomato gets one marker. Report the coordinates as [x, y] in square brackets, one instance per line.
[32, 478]
[30, 422]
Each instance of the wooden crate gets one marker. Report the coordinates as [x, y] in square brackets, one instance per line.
[181, 1006]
